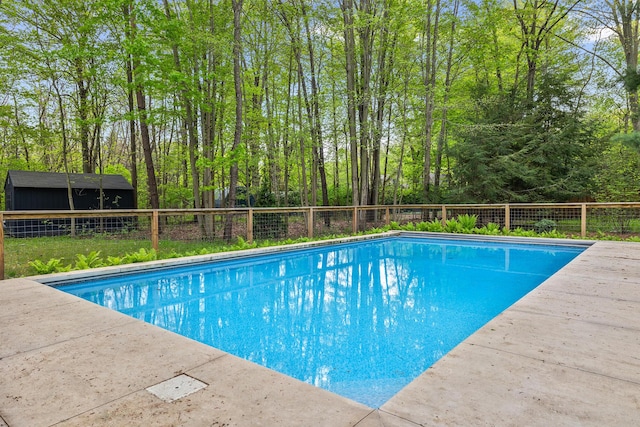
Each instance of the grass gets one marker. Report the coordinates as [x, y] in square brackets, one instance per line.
[19, 252]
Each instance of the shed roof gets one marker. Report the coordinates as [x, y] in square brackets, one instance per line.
[30, 179]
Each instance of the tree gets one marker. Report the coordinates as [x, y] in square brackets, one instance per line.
[620, 18]
[547, 152]
[237, 136]
[141, 105]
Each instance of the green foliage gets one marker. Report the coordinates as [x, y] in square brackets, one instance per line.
[434, 226]
[54, 265]
[618, 176]
[491, 229]
[378, 230]
[243, 244]
[202, 251]
[143, 255]
[545, 225]
[520, 232]
[553, 234]
[467, 222]
[92, 260]
[114, 260]
[631, 80]
[453, 226]
[523, 151]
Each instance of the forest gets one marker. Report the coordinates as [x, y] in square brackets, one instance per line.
[327, 102]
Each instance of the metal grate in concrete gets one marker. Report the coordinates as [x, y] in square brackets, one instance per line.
[176, 388]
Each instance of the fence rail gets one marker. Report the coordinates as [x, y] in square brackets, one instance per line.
[154, 226]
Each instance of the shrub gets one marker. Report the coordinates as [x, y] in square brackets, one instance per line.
[545, 225]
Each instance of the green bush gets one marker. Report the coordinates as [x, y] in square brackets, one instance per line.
[545, 225]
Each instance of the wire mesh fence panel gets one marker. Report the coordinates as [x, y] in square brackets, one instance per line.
[332, 222]
[413, 214]
[370, 218]
[483, 215]
[547, 218]
[278, 225]
[297, 223]
[139, 228]
[613, 220]
[202, 226]
[565, 220]
[71, 226]
[179, 227]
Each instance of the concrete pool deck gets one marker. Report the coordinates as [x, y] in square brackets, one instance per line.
[568, 353]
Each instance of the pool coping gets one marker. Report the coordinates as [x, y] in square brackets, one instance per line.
[553, 358]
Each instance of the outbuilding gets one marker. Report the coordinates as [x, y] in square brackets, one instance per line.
[28, 191]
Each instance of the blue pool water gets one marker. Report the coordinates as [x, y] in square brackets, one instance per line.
[360, 319]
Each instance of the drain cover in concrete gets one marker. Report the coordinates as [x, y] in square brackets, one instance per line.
[176, 388]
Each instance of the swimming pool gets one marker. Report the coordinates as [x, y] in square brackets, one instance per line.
[359, 319]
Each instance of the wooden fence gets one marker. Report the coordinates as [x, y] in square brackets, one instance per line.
[576, 219]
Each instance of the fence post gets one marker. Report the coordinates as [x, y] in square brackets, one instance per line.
[1, 246]
[250, 226]
[583, 220]
[355, 219]
[507, 217]
[310, 223]
[387, 218]
[155, 230]
[444, 216]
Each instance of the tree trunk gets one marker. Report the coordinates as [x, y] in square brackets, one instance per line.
[152, 185]
[386, 55]
[350, 64]
[431, 41]
[447, 90]
[237, 136]
[315, 102]
[126, 10]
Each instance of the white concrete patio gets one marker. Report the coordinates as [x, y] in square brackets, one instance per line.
[566, 354]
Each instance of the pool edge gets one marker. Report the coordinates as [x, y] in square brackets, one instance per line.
[523, 390]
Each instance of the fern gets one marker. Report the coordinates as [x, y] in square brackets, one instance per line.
[453, 226]
[491, 229]
[467, 222]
